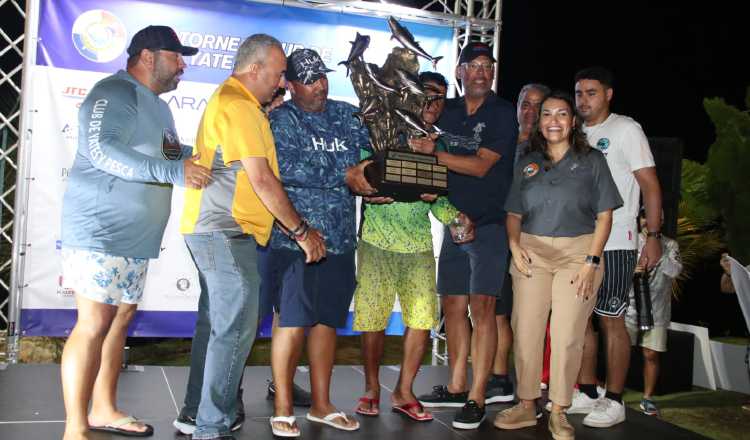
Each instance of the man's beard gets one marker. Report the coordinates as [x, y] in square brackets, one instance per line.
[165, 80]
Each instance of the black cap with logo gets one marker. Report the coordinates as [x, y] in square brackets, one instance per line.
[158, 38]
[305, 66]
[473, 50]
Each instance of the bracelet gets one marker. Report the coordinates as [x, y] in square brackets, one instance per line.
[299, 229]
[301, 234]
[655, 234]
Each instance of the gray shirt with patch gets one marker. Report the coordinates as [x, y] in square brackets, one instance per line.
[561, 199]
[119, 190]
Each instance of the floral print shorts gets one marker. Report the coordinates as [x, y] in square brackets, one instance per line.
[104, 278]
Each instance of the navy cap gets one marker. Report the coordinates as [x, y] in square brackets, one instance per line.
[473, 50]
[305, 66]
[158, 38]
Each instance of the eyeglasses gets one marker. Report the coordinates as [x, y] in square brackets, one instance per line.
[475, 67]
[433, 98]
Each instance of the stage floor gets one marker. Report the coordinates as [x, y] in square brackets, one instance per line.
[31, 408]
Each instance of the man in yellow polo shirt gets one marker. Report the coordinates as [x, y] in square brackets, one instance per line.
[223, 223]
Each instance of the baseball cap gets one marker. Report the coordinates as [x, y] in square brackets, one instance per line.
[473, 50]
[158, 38]
[305, 66]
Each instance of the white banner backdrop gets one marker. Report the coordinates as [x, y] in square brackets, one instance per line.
[64, 74]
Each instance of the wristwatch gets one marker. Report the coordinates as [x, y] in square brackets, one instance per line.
[655, 234]
[593, 260]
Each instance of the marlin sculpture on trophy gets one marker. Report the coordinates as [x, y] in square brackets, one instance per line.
[391, 99]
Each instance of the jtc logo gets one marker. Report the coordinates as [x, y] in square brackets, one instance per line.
[99, 36]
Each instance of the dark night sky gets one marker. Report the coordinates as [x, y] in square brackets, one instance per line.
[666, 57]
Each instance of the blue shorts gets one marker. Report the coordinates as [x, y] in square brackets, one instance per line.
[478, 267]
[308, 294]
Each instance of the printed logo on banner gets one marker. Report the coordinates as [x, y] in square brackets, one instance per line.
[183, 284]
[69, 132]
[61, 291]
[75, 93]
[194, 103]
[99, 36]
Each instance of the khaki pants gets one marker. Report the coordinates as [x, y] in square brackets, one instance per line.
[554, 264]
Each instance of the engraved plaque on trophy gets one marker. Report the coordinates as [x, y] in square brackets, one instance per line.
[405, 175]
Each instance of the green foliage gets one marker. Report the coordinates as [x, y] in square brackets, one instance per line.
[696, 204]
[728, 173]
[698, 233]
[698, 240]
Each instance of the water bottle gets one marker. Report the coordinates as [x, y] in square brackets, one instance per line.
[643, 300]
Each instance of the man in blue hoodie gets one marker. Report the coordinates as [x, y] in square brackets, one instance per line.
[115, 209]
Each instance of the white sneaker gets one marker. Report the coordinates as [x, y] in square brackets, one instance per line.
[606, 413]
[580, 404]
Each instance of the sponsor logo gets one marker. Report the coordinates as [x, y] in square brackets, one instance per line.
[530, 170]
[602, 145]
[75, 93]
[99, 36]
[63, 291]
[183, 284]
[320, 144]
[187, 102]
[69, 132]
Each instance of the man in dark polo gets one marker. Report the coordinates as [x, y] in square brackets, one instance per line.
[471, 275]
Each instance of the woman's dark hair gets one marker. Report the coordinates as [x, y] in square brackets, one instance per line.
[578, 141]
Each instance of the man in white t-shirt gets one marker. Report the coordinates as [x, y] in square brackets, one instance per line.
[629, 157]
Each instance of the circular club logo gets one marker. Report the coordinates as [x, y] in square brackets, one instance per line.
[530, 170]
[99, 36]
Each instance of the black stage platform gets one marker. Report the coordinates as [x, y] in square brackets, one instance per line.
[31, 408]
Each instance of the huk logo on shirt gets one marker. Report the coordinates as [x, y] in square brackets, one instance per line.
[530, 170]
[602, 145]
[320, 144]
[478, 131]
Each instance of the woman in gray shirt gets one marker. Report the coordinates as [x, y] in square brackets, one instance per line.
[559, 217]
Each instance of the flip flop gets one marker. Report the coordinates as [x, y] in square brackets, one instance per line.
[373, 403]
[329, 420]
[116, 428]
[406, 410]
[289, 420]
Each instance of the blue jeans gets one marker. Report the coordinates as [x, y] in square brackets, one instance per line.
[225, 331]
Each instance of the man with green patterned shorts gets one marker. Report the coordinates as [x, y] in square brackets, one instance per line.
[395, 256]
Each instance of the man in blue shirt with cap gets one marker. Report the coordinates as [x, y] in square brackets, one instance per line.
[318, 143]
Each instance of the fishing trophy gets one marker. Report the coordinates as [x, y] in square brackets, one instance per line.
[391, 99]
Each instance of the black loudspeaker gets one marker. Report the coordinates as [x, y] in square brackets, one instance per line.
[676, 364]
[668, 157]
